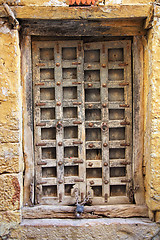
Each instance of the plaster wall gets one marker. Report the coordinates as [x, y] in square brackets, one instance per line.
[11, 148]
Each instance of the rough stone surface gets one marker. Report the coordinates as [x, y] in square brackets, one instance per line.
[152, 117]
[10, 192]
[10, 101]
[9, 220]
[10, 129]
[101, 229]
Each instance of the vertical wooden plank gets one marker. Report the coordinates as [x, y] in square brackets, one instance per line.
[59, 117]
[120, 133]
[105, 118]
[81, 117]
[37, 119]
[43, 79]
[26, 76]
[128, 113]
[138, 116]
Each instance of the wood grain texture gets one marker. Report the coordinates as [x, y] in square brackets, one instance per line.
[138, 119]
[27, 121]
[112, 60]
[89, 212]
[83, 27]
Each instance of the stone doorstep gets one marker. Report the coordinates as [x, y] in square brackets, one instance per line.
[89, 229]
[86, 222]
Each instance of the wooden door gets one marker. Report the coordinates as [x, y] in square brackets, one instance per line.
[82, 121]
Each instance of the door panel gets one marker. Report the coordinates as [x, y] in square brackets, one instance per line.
[82, 121]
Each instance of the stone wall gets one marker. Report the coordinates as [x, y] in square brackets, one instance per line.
[11, 147]
[11, 164]
[152, 115]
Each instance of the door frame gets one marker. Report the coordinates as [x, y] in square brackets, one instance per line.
[137, 209]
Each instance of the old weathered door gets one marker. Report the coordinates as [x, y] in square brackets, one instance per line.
[82, 121]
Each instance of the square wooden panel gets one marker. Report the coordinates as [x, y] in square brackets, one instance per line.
[117, 153]
[93, 154]
[92, 56]
[115, 54]
[71, 171]
[115, 74]
[47, 113]
[49, 191]
[47, 54]
[92, 114]
[97, 191]
[92, 75]
[68, 188]
[118, 190]
[69, 93]
[48, 133]
[94, 173]
[92, 95]
[117, 171]
[47, 94]
[93, 134]
[69, 53]
[70, 112]
[49, 153]
[70, 132]
[69, 73]
[49, 172]
[117, 133]
[71, 152]
[47, 74]
[116, 114]
[116, 94]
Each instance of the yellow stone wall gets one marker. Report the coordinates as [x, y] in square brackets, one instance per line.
[11, 148]
[11, 164]
[152, 115]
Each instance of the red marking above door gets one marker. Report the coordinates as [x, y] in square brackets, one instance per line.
[82, 2]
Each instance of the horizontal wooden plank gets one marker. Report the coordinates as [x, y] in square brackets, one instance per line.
[103, 12]
[83, 31]
[126, 210]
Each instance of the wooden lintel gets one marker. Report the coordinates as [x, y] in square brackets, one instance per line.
[89, 211]
[103, 12]
[83, 28]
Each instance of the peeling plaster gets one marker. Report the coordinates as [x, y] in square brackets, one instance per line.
[55, 3]
[113, 2]
[4, 91]
[4, 29]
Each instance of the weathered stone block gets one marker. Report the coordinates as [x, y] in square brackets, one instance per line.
[9, 135]
[101, 229]
[10, 192]
[10, 216]
[9, 220]
[10, 165]
[10, 157]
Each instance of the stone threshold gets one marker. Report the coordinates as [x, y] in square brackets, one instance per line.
[86, 222]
